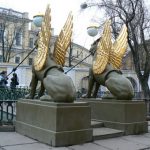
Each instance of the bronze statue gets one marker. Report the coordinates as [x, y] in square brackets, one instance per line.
[48, 67]
[107, 61]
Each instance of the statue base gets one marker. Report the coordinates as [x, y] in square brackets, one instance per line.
[56, 124]
[125, 115]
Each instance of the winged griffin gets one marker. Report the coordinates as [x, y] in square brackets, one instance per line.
[107, 61]
[48, 66]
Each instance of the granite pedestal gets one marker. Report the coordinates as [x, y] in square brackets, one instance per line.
[56, 124]
[128, 116]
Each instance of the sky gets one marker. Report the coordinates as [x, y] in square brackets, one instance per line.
[59, 12]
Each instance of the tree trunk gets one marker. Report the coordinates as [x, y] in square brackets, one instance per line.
[145, 87]
[70, 55]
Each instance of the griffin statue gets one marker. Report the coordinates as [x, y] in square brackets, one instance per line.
[107, 61]
[48, 65]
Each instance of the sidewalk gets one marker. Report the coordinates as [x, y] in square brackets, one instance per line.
[15, 141]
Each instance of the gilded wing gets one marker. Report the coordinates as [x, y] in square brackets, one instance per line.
[103, 48]
[43, 41]
[118, 48]
[63, 41]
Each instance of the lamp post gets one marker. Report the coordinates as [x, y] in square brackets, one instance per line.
[93, 29]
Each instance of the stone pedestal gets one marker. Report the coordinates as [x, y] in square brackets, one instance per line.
[128, 116]
[56, 124]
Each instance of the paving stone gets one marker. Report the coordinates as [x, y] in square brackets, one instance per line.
[147, 148]
[15, 141]
[13, 138]
[60, 148]
[147, 134]
[142, 139]
[120, 144]
[87, 146]
[34, 146]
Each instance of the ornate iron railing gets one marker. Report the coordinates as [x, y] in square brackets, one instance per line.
[13, 94]
[7, 112]
[8, 99]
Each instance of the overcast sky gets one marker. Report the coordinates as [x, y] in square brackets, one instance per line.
[59, 13]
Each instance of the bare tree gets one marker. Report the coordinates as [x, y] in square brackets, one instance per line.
[72, 57]
[11, 31]
[134, 14]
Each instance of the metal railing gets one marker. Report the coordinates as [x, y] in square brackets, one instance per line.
[13, 94]
[7, 112]
[8, 99]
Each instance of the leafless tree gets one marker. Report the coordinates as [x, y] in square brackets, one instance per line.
[11, 29]
[72, 57]
[135, 15]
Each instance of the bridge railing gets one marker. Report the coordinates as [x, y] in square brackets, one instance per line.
[13, 94]
[8, 99]
[7, 112]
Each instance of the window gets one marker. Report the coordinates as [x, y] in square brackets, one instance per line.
[18, 38]
[30, 61]
[17, 60]
[1, 58]
[31, 42]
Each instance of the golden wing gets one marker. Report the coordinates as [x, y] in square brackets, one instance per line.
[118, 48]
[103, 48]
[43, 41]
[63, 41]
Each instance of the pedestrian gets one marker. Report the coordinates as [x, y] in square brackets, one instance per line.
[3, 79]
[14, 81]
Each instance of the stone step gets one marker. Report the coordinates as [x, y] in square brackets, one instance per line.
[104, 133]
[96, 124]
